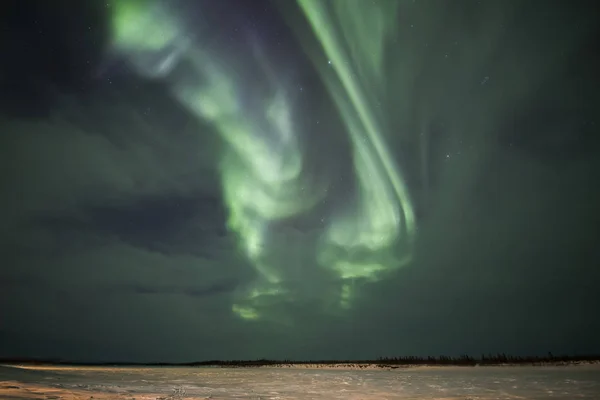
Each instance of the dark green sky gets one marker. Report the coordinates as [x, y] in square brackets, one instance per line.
[114, 237]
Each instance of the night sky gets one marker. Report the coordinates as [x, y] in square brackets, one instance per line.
[338, 179]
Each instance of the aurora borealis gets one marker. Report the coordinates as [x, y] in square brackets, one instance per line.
[264, 178]
[301, 177]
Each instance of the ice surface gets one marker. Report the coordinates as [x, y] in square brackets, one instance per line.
[457, 383]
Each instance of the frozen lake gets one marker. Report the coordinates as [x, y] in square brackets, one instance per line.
[458, 383]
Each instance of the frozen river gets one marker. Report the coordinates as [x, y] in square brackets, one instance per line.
[459, 383]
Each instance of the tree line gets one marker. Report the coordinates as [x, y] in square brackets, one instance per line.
[463, 360]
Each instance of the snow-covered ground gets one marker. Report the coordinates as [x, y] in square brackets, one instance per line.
[457, 383]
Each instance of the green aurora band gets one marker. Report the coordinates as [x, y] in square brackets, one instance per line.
[263, 170]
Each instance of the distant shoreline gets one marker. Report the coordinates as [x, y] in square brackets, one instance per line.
[303, 366]
[379, 364]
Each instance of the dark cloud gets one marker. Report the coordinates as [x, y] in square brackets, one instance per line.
[195, 291]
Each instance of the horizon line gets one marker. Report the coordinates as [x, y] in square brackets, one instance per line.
[489, 359]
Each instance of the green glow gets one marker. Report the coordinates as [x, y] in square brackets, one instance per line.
[263, 174]
[135, 27]
[384, 215]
